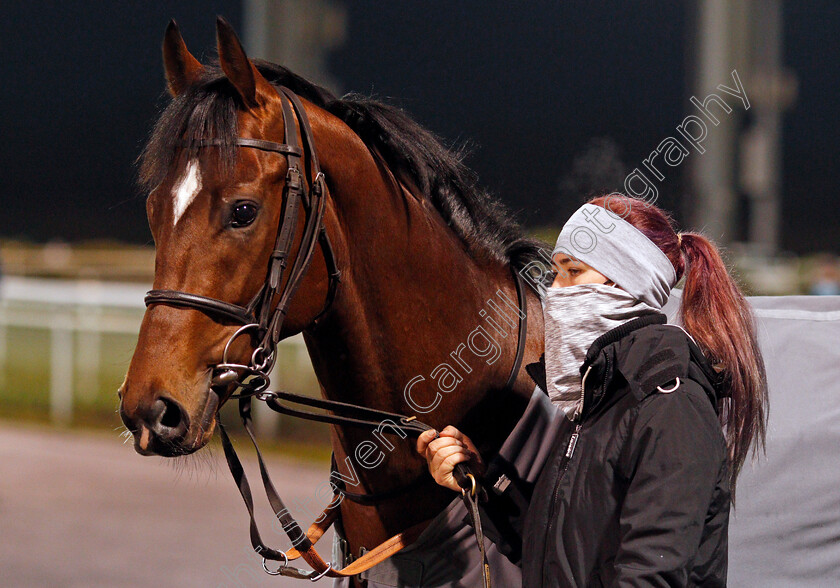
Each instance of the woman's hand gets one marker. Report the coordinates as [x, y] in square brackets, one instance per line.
[445, 452]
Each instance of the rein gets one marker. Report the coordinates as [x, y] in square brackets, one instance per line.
[252, 380]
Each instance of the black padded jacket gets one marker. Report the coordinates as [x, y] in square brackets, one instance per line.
[636, 493]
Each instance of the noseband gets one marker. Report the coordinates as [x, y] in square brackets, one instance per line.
[265, 324]
[258, 316]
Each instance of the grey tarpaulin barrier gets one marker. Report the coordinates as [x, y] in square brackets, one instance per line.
[785, 528]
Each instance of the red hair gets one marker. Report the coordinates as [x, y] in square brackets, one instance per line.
[716, 314]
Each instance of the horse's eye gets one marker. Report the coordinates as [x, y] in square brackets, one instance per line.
[243, 214]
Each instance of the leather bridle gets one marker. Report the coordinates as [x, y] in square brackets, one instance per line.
[258, 315]
[264, 322]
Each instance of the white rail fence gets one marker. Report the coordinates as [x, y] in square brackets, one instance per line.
[76, 314]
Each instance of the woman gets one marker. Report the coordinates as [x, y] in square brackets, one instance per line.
[636, 489]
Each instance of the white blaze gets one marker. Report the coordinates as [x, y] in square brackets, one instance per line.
[186, 190]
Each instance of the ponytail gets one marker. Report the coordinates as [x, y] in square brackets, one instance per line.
[716, 314]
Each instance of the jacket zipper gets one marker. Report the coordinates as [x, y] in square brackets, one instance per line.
[579, 411]
[570, 451]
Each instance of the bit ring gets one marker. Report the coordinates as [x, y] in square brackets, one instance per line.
[279, 570]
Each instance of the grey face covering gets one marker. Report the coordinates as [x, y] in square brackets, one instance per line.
[577, 315]
[574, 317]
[618, 250]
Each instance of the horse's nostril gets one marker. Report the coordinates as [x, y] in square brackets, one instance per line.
[169, 422]
[171, 416]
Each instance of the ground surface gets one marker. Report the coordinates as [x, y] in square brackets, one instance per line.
[82, 509]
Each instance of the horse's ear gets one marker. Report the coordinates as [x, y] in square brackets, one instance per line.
[182, 69]
[241, 72]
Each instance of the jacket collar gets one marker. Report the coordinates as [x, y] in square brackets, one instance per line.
[664, 353]
[537, 369]
[618, 333]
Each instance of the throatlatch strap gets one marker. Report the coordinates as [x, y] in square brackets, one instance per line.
[522, 302]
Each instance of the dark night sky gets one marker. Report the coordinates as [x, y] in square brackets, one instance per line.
[528, 88]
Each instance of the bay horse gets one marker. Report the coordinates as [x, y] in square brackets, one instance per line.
[420, 247]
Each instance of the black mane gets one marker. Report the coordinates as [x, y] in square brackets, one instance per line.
[209, 109]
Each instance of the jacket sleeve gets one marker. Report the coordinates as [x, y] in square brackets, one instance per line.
[502, 517]
[671, 464]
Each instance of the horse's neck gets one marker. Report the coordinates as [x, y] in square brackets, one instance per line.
[388, 330]
[413, 306]
[409, 299]
[405, 326]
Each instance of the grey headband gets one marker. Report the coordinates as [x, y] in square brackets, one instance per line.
[617, 249]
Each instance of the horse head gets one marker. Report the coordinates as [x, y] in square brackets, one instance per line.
[214, 214]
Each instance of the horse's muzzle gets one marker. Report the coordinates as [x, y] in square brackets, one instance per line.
[160, 428]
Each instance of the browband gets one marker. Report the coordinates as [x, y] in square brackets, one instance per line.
[260, 144]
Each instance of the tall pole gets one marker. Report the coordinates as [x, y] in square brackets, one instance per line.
[745, 35]
[773, 90]
[712, 173]
[297, 34]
